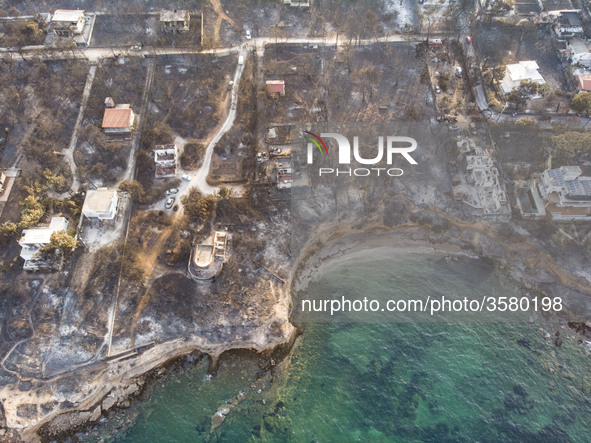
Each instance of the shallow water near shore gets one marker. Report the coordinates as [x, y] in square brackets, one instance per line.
[387, 381]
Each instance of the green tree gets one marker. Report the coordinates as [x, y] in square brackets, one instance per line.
[134, 188]
[526, 121]
[33, 210]
[224, 193]
[582, 101]
[198, 207]
[498, 72]
[192, 153]
[60, 240]
[526, 89]
[159, 133]
[572, 142]
[56, 182]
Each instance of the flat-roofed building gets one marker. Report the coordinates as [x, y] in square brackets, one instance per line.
[67, 22]
[176, 20]
[33, 239]
[101, 204]
[165, 160]
[208, 258]
[584, 83]
[566, 186]
[518, 72]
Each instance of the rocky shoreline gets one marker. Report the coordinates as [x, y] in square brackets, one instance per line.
[113, 384]
[117, 383]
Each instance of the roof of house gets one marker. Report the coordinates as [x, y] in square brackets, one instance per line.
[42, 235]
[67, 15]
[523, 70]
[275, 85]
[517, 72]
[569, 18]
[578, 46]
[584, 82]
[175, 15]
[99, 200]
[117, 118]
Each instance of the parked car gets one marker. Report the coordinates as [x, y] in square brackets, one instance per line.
[186, 177]
[230, 84]
[247, 34]
[136, 48]
[171, 191]
[169, 203]
[437, 89]
[459, 72]
[241, 60]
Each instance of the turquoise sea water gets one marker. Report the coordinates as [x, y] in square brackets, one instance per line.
[463, 381]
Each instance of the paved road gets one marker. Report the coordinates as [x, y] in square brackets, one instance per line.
[96, 54]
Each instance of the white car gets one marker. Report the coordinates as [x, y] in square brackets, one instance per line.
[459, 72]
[186, 177]
[171, 191]
[169, 203]
[248, 35]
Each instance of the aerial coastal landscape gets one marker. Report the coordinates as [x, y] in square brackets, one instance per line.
[323, 220]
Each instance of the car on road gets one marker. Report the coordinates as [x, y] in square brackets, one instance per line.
[186, 177]
[171, 191]
[241, 60]
[437, 89]
[248, 35]
[230, 84]
[136, 48]
[169, 203]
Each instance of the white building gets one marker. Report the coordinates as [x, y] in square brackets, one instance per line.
[579, 54]
[565, 186]
[67, 22]
[517, 72]
[165, 159]
[32, 240]
[297, 4]
[101, 204]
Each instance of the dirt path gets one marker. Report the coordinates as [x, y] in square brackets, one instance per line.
[148, 260]
[217, 6]
[69, 153]
[139, 122]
